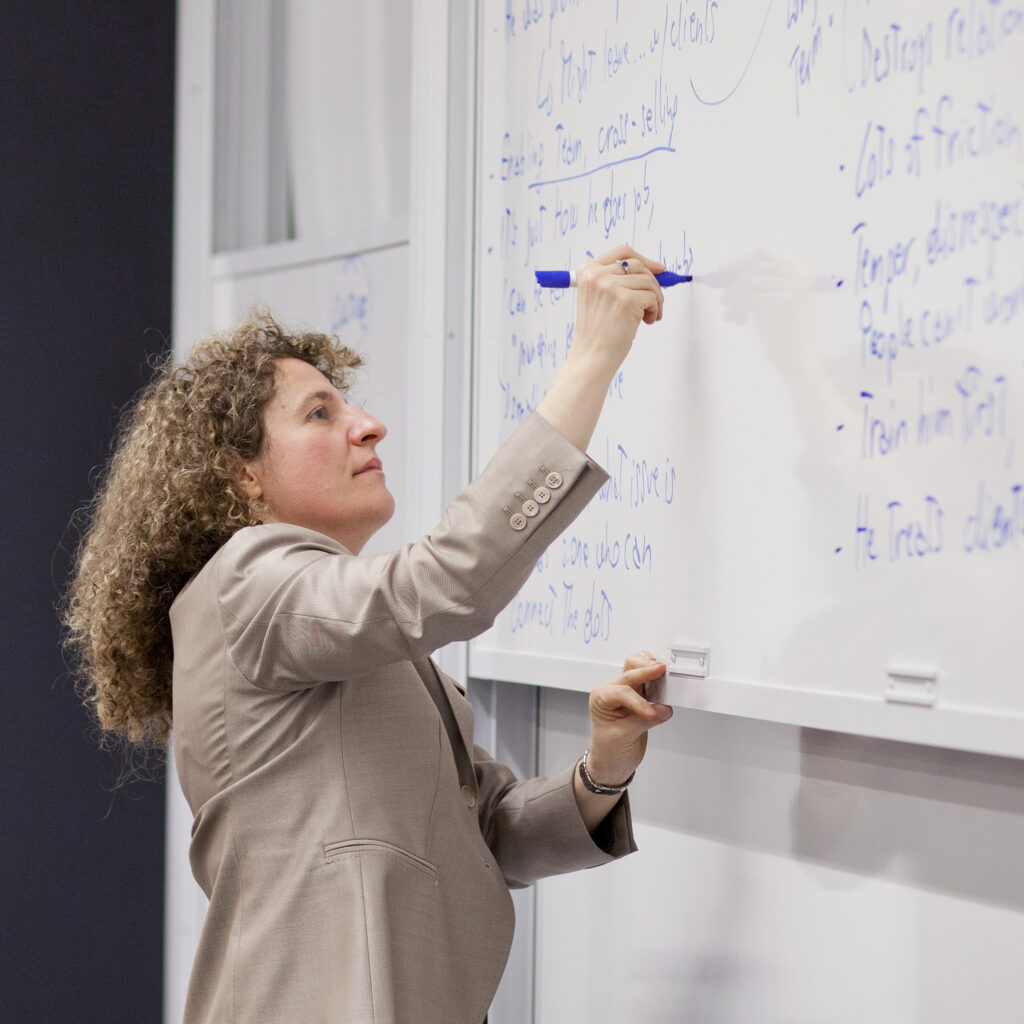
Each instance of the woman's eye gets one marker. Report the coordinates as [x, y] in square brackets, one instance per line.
[318, 414]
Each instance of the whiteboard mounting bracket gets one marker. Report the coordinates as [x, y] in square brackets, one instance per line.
[912, 686]
[689, 660]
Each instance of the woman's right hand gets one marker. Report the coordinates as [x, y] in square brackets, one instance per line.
[610, 305]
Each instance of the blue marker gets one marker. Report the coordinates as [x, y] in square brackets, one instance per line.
[567, 278]
[715, 279]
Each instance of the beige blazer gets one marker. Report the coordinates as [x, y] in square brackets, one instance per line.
[355, 845]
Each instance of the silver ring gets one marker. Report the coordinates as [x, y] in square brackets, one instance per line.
[625, 266]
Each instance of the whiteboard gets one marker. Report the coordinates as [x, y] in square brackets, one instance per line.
[814, 457]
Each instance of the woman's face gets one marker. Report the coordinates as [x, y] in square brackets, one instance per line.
[319, 466]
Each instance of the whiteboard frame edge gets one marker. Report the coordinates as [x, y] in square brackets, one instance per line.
[950, 726]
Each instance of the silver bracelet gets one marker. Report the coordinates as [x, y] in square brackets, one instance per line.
[597, 787]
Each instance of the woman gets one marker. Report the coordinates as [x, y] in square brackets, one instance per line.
[356, 847]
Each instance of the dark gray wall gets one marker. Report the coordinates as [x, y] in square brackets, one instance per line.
[86, 143]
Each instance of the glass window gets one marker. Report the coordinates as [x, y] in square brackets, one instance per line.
[312, 119]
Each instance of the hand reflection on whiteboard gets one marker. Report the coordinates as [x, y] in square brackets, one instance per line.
[774, 347]
[764, 285]
[786, 303]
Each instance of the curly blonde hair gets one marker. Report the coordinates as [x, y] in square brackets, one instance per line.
[168, 500]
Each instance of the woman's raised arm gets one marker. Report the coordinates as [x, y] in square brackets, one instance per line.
[610, 305]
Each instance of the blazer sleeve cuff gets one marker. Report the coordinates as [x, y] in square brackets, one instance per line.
[542, 833]
[612, 839]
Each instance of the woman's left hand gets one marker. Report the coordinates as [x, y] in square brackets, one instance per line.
[620, 717]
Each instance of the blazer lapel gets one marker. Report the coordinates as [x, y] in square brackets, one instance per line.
[456, 715]
[461, 707]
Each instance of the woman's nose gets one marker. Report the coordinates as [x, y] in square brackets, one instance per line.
[367, 429]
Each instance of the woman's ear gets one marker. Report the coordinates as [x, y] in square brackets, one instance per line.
[249, 481]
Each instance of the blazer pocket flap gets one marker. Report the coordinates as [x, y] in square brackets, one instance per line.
[343, 847]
